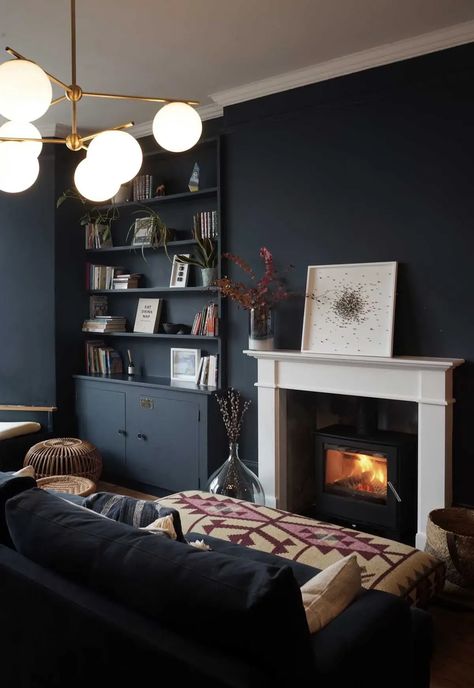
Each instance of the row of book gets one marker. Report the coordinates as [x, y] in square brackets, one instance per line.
[126, 281]
[101, 276]
[105, 323]
[142, 188]
[102, 360]
[205, 224]
[206, 321]
[208, 372]
[97, 236]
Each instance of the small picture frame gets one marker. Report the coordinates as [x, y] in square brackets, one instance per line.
[147, 319]
[142, 231]
[179, 272]
[184, 364]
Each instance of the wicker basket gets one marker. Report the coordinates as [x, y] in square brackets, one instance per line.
[450, 537]
[65, 456]
[70, 484]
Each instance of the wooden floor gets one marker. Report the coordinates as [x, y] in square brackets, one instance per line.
[453, 616]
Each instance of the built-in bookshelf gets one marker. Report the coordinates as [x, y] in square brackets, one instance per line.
[150, 351]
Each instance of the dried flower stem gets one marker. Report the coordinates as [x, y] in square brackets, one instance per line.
[232, 410]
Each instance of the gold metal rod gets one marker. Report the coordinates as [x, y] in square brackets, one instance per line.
[89, 137]
[58, 100]
[73, 42]
[18, 56]
[49, 140]
[116, 96]
[74, 117]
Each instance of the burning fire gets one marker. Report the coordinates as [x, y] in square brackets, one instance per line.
[370, 473]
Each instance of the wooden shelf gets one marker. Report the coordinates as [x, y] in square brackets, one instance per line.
[158, 335]
[154, 290]
[138, 248]
[187, 195]
[149, 381]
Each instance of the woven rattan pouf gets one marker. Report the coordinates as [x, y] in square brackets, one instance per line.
[70, 484]
[65, 456]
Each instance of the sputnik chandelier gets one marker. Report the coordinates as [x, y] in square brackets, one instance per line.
[113, 156]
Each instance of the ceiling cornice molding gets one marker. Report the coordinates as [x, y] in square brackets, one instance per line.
[423, 44]
[210, 111]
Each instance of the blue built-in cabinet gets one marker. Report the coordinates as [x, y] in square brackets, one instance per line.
[151, 434]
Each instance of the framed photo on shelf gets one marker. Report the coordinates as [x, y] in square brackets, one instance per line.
[349, 309]
[179, 272]
[147, 319]
[184, 364]
[142, 231]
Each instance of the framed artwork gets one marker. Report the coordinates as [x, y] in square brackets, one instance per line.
[349, 309]
[147, 319]
[179, 272]
[142, 231]
[184, 364]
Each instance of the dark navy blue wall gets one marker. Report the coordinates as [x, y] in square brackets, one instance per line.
[374, 166]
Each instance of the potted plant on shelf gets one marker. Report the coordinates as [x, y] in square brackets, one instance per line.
[96, 219]
[233, 478]
[259, 297]
[204, 257]
[149, 230]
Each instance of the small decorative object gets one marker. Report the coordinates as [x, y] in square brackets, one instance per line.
[65, 456]
[258, 298]
[205, 258]
[150, 230]
[184, 364]
[349, 309]
[194, 179]
[148, 314]
[98, 306]
[179, 272]
[233, 478]
[131, 364]
[450, 538]
[160, 190]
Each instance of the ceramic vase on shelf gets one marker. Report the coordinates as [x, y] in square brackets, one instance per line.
[261, 329]
[234, 479]
[208, 276]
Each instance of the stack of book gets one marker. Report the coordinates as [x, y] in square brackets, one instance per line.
[206, 322]
[105, 323]
[143, 187]
[205, 224]
[101, 359]
[207, 375]
[101, 276]
[98, 236]
[127, 281]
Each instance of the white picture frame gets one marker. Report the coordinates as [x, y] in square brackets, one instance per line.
[179, 272]
[142, 230]
[147, 319]
[184, 364]
[350, 309]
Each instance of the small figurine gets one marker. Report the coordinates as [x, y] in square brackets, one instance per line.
[194, 179]
[160, 190]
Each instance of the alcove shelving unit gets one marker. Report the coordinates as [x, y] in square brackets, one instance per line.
[137, 421]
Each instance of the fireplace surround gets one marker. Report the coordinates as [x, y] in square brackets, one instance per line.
[426, 381]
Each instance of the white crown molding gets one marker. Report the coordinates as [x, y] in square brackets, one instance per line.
[448, 37]
[206, 112]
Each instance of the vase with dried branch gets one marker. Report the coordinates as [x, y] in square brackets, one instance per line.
[233, 478]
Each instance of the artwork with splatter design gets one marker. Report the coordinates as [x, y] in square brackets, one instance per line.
[349, 309]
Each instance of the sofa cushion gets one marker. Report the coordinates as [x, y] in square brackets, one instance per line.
[241, 606]
[10, 485]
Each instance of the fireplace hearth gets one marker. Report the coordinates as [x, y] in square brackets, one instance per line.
[367, 481]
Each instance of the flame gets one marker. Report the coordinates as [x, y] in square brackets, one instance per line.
[372, 472]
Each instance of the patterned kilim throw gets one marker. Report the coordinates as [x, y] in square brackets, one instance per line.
[386, 565]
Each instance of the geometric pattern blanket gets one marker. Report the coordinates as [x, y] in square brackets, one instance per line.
[386, 565]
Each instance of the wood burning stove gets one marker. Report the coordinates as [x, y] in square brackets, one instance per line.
[367, 480]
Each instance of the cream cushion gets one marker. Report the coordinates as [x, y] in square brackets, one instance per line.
[329, 592]
[8, 430]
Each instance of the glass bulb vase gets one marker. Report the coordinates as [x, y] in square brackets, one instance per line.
[261, 329]
[234, 479]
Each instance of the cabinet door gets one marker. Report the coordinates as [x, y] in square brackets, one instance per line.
[101, 419]
[163, 441]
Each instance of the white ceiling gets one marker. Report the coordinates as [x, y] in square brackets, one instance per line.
[197, 48]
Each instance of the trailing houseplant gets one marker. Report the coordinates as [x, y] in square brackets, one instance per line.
[204, 257]
[157, 233]
[259, 296]
[99, 217]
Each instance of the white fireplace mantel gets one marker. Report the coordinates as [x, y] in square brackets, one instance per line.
[426, 381]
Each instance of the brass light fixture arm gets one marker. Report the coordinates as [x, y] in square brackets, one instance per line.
[117, 96]
[89, 137]
[42, 140]
[53, 78]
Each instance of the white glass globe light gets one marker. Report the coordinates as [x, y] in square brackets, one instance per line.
[19, 169]
[177, 127]
[25, 91]
[118, 152]
[95, 183]
[18, 130]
